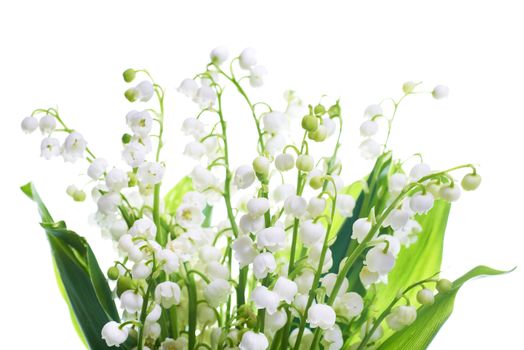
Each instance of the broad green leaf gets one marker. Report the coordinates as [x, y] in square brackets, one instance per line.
[419, 260]
[430, 318]
[174, 197]
[79, 278]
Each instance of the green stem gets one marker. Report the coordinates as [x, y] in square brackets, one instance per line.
[143, 315]
[192, 308]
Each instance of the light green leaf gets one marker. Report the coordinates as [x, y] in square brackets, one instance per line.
[79, 278]
[419, 260]
[430, 318]
[174, 197]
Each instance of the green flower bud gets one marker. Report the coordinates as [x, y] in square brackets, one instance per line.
[79, 196]
[126, 138]
[444, 285]
[305, 163]
[124, 283]
[261, 165]
[132, 178]
[319, 109]
[318, 135]
[408, 87]
[310, 123]
[131, 94]
[113, 273]
[334, 111]
[471, 182]
[425, 297]
[129, 75]
[71, 190]
[316, 182]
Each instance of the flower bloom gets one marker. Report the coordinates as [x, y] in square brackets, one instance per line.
[167, 294]
[321, 315]
[113, 334]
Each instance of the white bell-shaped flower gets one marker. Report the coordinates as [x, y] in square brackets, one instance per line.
[295, 205]
[244, 176]
[116, 179]
[217, 292]
[314, 257]
[311, 233]
[47, 124]
[349, 304]
[140, 122]
[361, 228]
[189, 216]
[304, 281]
[380, 261]
[216, 270]
[205, 97]
[366, 328]
[73, 147]
[419, 171]
[134, 154]
[145, 90]
[168, 261]
[143, 227]
[29, 124]
[151, 173]
[274, 122]
[328, 282]
[397, 181]
[131, 301]
[283, 192]
[49, 147]
[332, 339]
[219, 55]
[401, 316]
[393, 244]
[195, 150]
[249, 224]
[271, 238]
[108, 203]
[373, 111]
[345, 205]
[263, 264]
[440, 92]
[265, 299]
[421, 203]
[141, 270]
[167, 294]
[322, 316]
[188, 87]
[450, 193]
[253, 341]
[286, 289]
[203, 179]
[97, 168]
[257, 75]
[248, 58]
[284, 162]
[305, 342]
[257, 206]
[369, 149]
[113, 334]
[368, 277]
[274, 322]
[368, 128]
[397, 219]
[316, 206]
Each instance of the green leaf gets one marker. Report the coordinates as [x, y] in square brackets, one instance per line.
[419, 260]
[430, 318]
[79, 278]
[174, 197]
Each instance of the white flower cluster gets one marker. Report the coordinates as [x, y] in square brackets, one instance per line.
[264, 273]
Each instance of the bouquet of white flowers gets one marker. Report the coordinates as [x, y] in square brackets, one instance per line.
[301, 262]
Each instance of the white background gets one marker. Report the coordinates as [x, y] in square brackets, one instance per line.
[72, 55]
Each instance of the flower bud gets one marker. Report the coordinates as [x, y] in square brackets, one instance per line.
[129, 75]
[126, 138]
[421, 203]
[124, 283]
[319, 109]
[368, 128]
[113, 334]
[425, 297]
[284, 162]
[253, 341]
[113, 273]
[29, 124]
[310, 123]
[450, 193]
[408, 87]
[316, 206]
[316, 182]
[311, 232]
[334, 110]
[369, 148]
[361, 228]
[47, 124]
[247, 58]
[471, 182]
[219, 55]
[440, 92]
[305, 163]
[79, 196]
[444, 285]
[345, 205]
[373, 111]
[319, 135]
[295, 205]
[244, 176]
[261, 165]
[131, 94]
